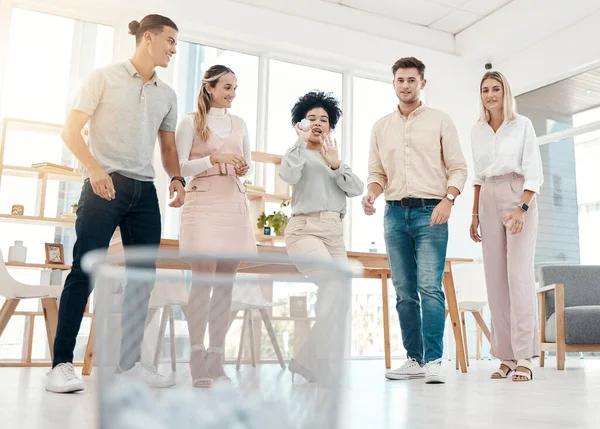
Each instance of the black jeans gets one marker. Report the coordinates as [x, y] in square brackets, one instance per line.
[136, 212]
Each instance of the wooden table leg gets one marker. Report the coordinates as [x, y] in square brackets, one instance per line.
[454, 316]
[50, 308]
[386, 320]
[28, 339]
[88, 359]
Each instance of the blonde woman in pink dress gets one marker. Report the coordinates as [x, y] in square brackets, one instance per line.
[214, 149]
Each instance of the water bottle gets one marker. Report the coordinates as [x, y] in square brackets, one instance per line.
[373, 248]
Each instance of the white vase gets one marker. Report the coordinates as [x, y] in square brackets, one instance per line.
[17, 253]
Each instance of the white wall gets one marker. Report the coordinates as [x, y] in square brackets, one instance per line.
[518, 25]
[572, 50]
[452, 81]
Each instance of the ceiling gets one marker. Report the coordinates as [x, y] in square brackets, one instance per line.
[450, 16]
[478, 30]
[567, 97]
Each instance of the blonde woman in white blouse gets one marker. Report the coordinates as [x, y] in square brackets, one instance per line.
[508, 176]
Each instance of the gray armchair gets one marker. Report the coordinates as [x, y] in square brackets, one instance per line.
[569, 310]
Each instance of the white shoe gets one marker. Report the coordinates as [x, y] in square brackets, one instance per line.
[411, 369]
[433, 372]
[148, 375]
[62, 379]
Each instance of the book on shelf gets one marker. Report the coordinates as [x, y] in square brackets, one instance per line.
[254, 188]
[52, 166]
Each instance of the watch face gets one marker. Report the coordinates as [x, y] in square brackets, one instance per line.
[450, 197]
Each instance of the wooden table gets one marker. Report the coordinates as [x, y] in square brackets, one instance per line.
[375, 266]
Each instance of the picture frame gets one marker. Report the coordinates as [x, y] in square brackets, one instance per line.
[298, 309]
[17, 210]
[55, 253]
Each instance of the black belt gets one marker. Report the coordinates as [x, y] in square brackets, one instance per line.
[414, 202]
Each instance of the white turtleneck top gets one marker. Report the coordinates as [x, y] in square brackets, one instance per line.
[219, 122]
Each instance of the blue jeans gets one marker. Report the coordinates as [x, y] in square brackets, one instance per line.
[417, 255]
[136, 212]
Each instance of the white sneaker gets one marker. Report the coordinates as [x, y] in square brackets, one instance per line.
[433, 372]
[62, 379]
[410, 369]
[150, 376]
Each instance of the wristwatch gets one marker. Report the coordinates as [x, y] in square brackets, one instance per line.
[523, 207]
[181, 179]
[450, 197]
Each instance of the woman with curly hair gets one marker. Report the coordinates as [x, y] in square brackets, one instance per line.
[320, 184]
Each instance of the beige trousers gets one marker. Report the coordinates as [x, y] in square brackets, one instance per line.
[509, 270]
[319, 236]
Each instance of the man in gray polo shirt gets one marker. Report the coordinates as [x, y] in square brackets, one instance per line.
[128, 107]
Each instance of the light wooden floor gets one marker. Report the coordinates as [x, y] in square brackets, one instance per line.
[566, 399]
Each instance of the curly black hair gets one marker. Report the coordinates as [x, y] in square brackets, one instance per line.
[315, 99]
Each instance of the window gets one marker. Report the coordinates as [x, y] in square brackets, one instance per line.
[568, 219]
[372, 101]
[191, 62]
[45, 96]
[587, 148]
[68, 51]
[288, 82]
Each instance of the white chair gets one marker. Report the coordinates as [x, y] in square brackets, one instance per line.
[248, 297]
[469, 280]
[14, 291]
[166, 295]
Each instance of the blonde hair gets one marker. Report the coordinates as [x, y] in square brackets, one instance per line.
[509, 108]
[211, 77]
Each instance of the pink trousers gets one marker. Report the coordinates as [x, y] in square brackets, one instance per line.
[509, 270]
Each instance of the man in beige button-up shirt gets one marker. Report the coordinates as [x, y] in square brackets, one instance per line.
[416, 160]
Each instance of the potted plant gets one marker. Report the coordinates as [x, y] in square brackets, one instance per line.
[74, 208]
[262, 223]
[277, 221]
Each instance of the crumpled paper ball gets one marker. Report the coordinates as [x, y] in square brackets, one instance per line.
[130, 405]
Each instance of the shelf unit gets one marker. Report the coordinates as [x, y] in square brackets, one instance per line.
[39, 220]
[42, 174]
[38, 266]
[257, 200]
